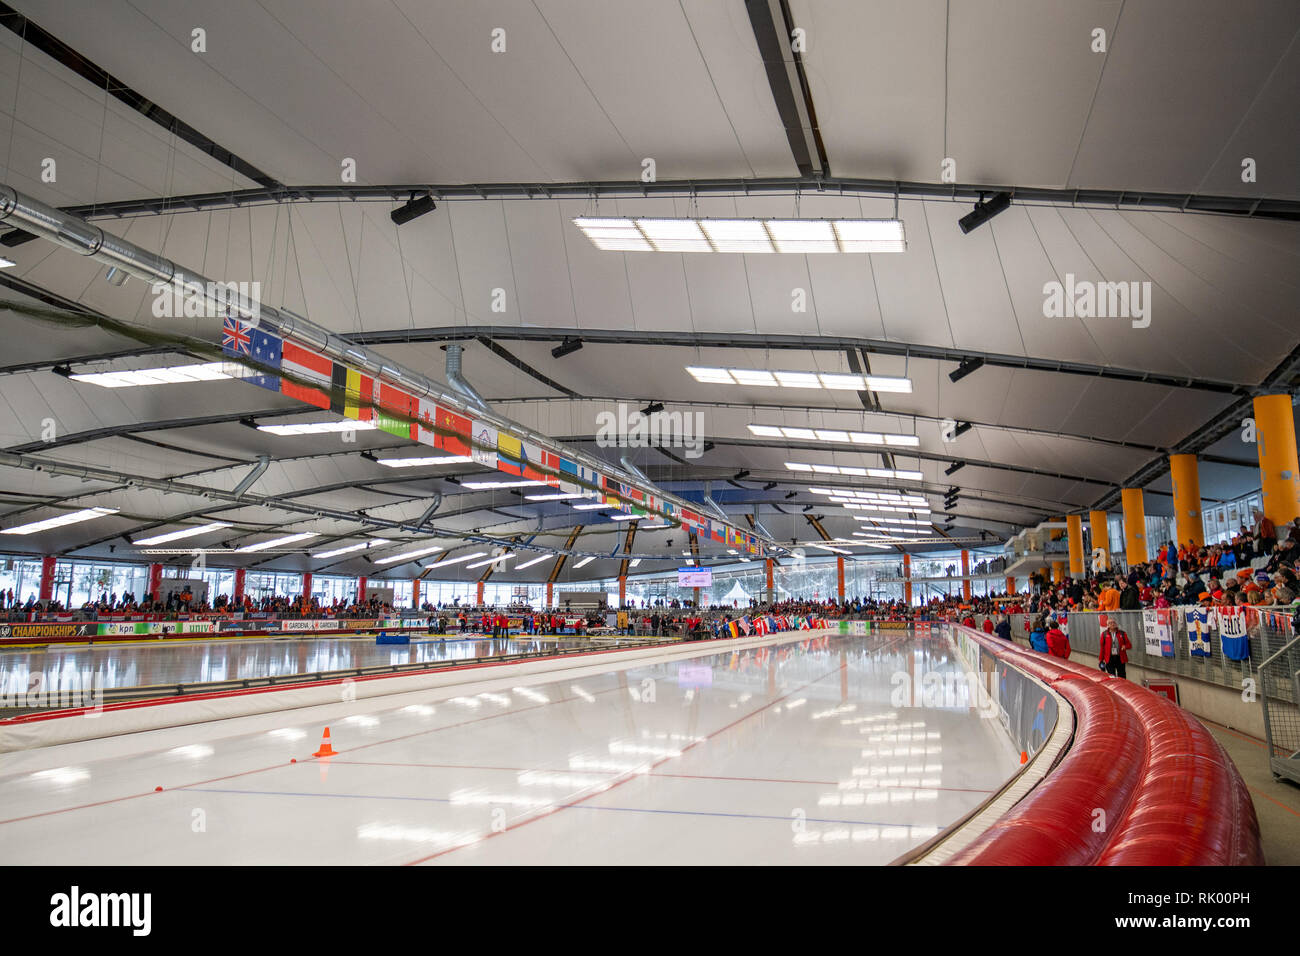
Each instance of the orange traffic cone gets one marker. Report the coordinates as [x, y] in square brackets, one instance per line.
[325, 749]
[1024, 757]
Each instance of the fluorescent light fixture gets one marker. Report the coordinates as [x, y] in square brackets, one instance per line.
[748, 376]
[744, 235]
[624, 517]
[855, 471]
[655, 527]
[481, 485]
[479, 564]
[372, 543]
[558, 496]
[895, 473]
[71, 517]
[443, 564]
[421, 462]
[6, 263]
[183, 533]
[583, 563]
[634, 562]
[529, 564]
[409, 555]
[168, 375]
[276, 542]
[591, 506]
[318, 428]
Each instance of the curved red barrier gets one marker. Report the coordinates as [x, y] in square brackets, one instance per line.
[1142, 784]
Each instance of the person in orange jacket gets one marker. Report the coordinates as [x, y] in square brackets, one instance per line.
[1058, 645]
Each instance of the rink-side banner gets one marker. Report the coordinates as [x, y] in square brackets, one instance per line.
[308, 376]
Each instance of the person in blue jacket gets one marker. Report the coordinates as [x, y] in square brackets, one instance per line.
[1038, 635]
[1003, 628]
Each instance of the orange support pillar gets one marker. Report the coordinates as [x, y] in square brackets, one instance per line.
[361, 588]
[839, 575]
[1279, 467]
[1186, 480]
[306, 585]
[479, 594]
[907, 579]
[771, 584]
[1058, 572]
[550, 593]
[965, 575]
[1011, 584]
[1075, 541]
[415, 594]
[239, 583]
[1100, 536]
[155, 578]
[1135, 527]
[622, 591]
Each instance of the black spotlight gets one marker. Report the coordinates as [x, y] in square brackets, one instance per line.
[962, 428]
[955, 466]
[567, 347]
[740, 475]
[807, 507]
[652, 408]
[792, 494]
[769, 486]
[984, 210]
[967, 366]
[412, 210]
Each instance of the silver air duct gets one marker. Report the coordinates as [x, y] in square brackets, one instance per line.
[457, 381]
[75, 233]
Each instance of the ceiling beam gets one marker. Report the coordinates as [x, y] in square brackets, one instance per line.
[1136, 201]
[772, 25]
[801, 343]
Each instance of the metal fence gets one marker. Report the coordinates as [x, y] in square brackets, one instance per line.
[1279, 688]
[1268, 632]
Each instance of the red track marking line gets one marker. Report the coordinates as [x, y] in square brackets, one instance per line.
[618, 783]
[614, 773]
[1290, 810]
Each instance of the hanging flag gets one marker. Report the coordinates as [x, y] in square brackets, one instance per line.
[484, 450]
[453, 432]
[305, 366]
[1233, 639]
[1198, 631]
[510, 454]
[353, 394]
[1155, 628]
[236, 337]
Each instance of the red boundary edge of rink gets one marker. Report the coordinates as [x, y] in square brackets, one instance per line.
[1143, 783]
[241, 692]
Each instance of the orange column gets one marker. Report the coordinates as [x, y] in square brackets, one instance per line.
[239, 583]
[1075, 541]
[1279, 466]
[622, 591]
[1100, 536]
[1011, 584]
[155, 577]
[1135, 526]
[306, 585]
[771, 585]
[965, 575]
[1058, 572]
[1186, 479]
[907, 579]
[415, 593]
[479, 598]
[839, 575]
[549, 594]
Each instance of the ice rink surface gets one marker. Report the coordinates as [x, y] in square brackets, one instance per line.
[798, 752]
[156, 663]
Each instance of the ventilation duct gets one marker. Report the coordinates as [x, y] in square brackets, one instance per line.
[457, 381]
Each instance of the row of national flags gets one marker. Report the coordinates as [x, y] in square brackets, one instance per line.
[303, 374]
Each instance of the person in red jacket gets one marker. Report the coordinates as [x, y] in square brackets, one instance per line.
[1113, 653]
[1058, 645]
[968, 621]
[988, 625]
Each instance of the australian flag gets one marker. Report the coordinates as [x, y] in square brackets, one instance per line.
[247, 345]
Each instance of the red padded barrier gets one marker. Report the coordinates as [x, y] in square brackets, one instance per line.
[1142, 784]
